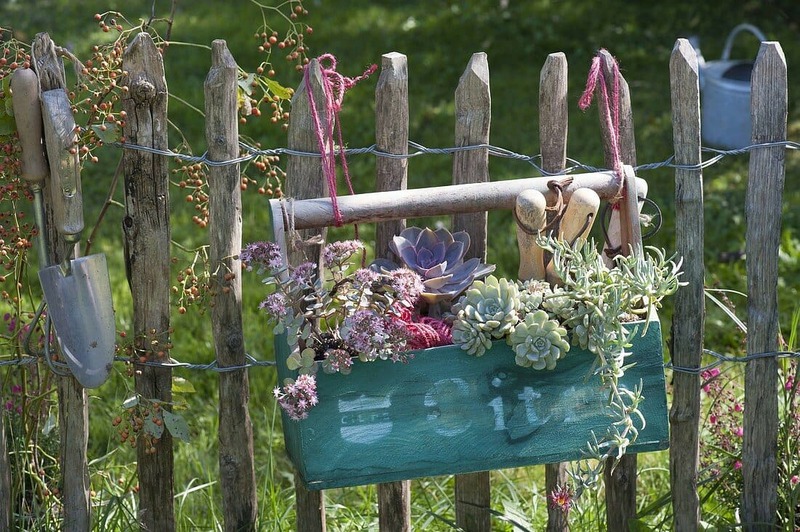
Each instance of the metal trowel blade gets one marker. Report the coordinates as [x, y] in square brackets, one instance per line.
[80, 306]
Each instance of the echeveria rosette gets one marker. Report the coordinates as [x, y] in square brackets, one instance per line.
[471, 338]
[538, 342]
[437, 256]
[490, 306]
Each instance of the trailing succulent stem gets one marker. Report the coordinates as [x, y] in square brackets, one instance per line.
[590, 310]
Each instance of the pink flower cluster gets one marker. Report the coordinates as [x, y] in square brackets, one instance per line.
[263, 255]
[337, 253]
[296, 398]
[562, 498]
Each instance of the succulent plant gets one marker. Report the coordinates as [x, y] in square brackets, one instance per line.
[438, 257]
[531, 295]
[471, 337]
[538, 341]
[490, 306]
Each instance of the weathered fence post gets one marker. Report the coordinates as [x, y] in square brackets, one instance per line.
[73, 411]
[147, 255]
[473, 110]
[391, 136]
[688, 319]
[762, 209]
[236, 467]
[305, 180]
[620, 477]
[553, 127]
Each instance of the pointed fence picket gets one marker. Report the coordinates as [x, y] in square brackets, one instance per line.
[471, 195]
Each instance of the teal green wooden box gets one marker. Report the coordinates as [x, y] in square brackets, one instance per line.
[446, 412]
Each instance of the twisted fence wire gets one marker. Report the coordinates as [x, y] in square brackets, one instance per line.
[252, 152]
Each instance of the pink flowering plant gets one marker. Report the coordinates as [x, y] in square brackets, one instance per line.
[333, 318]
[721, 453]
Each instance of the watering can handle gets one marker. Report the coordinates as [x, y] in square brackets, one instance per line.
[726, 53]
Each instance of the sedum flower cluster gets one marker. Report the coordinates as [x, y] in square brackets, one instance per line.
[334, 317]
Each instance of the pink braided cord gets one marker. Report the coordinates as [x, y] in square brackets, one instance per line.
[609, 106]
[334, 85]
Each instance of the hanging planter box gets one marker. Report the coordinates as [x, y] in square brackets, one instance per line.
[446, 412]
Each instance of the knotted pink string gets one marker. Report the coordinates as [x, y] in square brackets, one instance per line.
[609, 108]
[334, 85]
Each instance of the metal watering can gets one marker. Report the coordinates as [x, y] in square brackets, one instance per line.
[725, 95]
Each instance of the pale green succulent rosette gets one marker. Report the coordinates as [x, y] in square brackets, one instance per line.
[538, 341]
[471, 338]
[491, 306]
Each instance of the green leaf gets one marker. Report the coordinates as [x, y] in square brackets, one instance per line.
[637, 525]
[181, 385]
[176, 425]
[109, 135]
[130, 402]
[277, 89]
[294, 362]
[246, 84]
[151, 428]
[7, 125]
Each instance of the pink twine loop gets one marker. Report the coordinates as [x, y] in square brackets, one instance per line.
[334, 85]
[609, 107]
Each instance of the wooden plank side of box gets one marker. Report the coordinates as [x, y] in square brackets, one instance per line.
[446, 412]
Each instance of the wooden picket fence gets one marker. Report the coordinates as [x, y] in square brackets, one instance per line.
[147, 241]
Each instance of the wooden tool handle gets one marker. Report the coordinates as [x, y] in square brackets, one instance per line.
[579, 216]
[28, 116]
[530, 208]
[65, 182]
[577, 222]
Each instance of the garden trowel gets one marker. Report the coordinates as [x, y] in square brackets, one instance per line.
[78, 291]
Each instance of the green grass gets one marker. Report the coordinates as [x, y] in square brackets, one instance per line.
[438, 37]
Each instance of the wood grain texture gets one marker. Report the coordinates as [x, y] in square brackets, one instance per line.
[73, 408]
[236, 465]
[620, 477]
[391, 136]
[471, 197]
[304, 179]
[553, 114]
[394, 506]
[473, 109]
[769, 102]
[689, 316]
[553, 129]
[147, 253]
[449, 413]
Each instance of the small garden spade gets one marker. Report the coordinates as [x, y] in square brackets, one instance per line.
[78, 291]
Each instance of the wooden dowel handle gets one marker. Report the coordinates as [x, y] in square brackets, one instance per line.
[28, 115]
[531, 214]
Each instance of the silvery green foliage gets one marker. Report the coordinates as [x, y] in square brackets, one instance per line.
[590, 309]
[438, 257]
[490, 306]
[538, 341]
[471, 337]
[603, 301]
